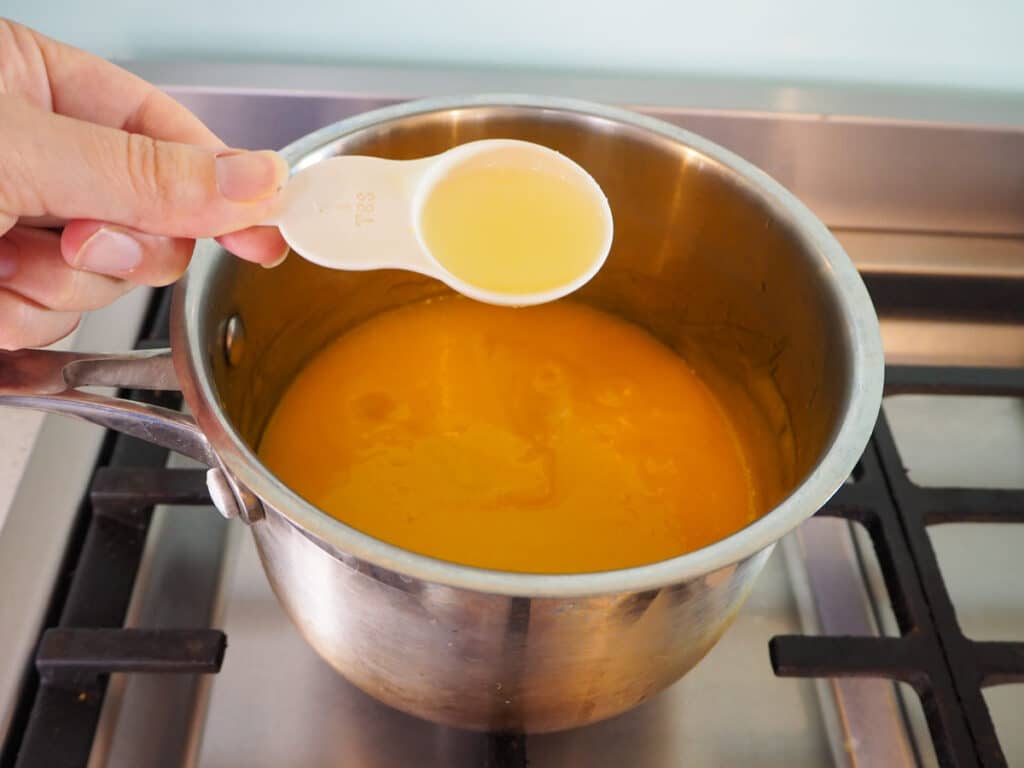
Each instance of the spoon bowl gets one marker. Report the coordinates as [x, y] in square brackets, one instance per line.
[499, 220]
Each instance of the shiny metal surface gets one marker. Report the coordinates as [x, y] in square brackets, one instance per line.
[912, 182]
[889, 159]
[50, 372]
[495, 662]
[314, 718]
[35, 529]
[823, 563]
[234, 340]
[729, 711]
[359, 88]
[221, 494]
[732, 267]
[46, 380]
[973, 442]
[179, 585]
[49, 381]
[712, 257]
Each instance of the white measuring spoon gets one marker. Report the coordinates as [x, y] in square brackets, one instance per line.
[362, 213]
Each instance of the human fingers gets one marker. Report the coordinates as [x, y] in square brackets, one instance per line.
[23, 323]
[31, 266]
[125, 253]
[262, 245]
[60, 78]
[105, 174]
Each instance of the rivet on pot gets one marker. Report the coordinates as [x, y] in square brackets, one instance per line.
[233, 340]
[221, 494]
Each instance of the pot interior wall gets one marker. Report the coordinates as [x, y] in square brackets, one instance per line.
[700, 259]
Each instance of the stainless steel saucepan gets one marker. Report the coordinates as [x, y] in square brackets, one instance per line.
[709, 254]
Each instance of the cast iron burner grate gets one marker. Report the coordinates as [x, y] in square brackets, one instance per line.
[945, 668]
[84, 640]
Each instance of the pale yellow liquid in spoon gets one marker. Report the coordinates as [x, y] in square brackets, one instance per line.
[513, 229]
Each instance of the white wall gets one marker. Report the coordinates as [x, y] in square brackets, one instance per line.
[959, 43]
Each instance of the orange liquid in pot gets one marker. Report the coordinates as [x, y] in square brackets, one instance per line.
[551, 439]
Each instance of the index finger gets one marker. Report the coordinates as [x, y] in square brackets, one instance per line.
[89, 88]
[75, 83]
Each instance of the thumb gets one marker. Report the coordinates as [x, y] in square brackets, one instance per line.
[57, 166]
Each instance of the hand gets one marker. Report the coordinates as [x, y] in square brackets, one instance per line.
[131, 174]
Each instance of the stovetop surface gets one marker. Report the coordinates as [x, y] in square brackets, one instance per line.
[933, 214]
[731, 710]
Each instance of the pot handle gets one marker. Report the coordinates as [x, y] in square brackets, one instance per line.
[47, 380]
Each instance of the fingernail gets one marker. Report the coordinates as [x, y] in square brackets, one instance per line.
[109, 252]
[279, 261]
[246, 177]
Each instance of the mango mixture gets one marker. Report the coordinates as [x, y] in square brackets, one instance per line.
[551, 439]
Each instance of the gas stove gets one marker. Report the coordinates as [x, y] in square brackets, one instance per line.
[887, 631]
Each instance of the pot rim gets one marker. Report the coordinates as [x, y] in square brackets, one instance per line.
[859, 409]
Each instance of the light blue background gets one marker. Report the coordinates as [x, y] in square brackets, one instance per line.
[978, 45]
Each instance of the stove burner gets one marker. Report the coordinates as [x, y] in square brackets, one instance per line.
[945, 668]
[85, 641]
